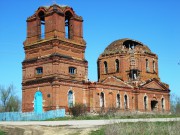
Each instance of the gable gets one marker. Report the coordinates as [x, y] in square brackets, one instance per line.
[116, 82]
[154, 85]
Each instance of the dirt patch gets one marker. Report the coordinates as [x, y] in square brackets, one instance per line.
[46, 130]
[21, 130]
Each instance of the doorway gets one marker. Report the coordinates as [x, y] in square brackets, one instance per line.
[154, 105]
[38, 102]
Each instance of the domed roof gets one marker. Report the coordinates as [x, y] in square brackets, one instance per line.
[124, 45]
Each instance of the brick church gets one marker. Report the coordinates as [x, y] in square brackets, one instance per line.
[55, 71]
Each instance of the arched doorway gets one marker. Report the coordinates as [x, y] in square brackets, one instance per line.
[154, 105]
[38, 102]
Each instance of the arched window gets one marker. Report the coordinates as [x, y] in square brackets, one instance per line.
[133, 74]
[147, 65]
[154, 66]
[105, 67]
[162, 104]
[145, 102]
[68, 25]
[117, 65]
[102, 99]
[118, 101]
[70, 99]
[42, 24]
[125, 102]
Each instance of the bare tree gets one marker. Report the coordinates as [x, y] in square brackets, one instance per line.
[175, 104]
[9, 102]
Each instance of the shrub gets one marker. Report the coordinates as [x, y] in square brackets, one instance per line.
[78, 110]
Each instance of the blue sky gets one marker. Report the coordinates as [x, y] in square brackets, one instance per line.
[156, 23]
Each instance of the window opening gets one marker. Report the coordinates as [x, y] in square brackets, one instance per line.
[131, 44]
[42, 25]
[118, 101]
[48, 95]
[133, 63]
[102, 99]
[117, 65]
[162, 104]
[147, 65]
[67, 29]
[154, 66]
[68, 16]
[145, 102]
[72, 70]
[70, 99]
[105, 67]
[125, 102]
[39, 70]
[133, 74]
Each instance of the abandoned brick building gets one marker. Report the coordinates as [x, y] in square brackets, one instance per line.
[55, 71]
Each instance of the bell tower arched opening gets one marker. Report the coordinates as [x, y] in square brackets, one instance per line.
[41, 16]
[68, 25]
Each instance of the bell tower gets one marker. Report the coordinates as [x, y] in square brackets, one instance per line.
[54, 53]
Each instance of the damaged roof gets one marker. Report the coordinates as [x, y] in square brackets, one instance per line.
[121, 46]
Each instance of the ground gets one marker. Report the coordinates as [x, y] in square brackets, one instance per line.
[69, 127]
[46, 130]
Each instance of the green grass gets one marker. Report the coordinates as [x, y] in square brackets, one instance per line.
[2, 133]
[120, 116]
[140, 128]
[100, 131]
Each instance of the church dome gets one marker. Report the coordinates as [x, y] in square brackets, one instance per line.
[122, 46]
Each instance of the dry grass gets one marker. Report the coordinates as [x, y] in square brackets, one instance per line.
[140, 128]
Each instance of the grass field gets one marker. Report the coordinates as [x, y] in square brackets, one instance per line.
[2, 133]
[140, 128]
[119, 116]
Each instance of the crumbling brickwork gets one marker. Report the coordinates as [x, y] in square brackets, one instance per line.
[55, 65]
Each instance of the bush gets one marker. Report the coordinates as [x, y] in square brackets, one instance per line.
[78, 110]
[108, 112]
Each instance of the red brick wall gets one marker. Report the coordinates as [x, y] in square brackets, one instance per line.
[55, 54]
[124, 66]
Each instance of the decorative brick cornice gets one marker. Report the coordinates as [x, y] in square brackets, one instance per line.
[58, 39]
[51, 57]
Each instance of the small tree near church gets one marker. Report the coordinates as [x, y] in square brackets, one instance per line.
[9, 101]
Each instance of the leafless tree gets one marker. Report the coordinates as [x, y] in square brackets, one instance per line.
[9, 102]
[175, 104]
